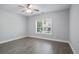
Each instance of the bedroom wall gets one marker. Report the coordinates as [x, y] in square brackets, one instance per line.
[60, 21]
[74, 27]
[12, 26]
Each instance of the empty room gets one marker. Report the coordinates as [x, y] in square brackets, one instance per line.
[39, 28]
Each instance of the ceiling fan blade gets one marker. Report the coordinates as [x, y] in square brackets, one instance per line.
[21, 6]
[35, 9]
[23, 10]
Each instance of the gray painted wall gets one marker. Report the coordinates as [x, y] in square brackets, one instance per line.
[12, 26]
[60, 21]
[74, 28]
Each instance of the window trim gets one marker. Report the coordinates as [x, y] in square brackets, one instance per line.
[43, 32]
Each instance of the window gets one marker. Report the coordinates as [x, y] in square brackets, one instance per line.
[44, 26]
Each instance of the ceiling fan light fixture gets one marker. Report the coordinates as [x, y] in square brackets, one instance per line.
[29, 11]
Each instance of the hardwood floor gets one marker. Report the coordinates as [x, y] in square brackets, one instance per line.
[35, 46]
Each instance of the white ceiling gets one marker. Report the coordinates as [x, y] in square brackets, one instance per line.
[42, 7]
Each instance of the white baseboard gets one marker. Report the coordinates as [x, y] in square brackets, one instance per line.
[50, 39]
[34, 37]
[72, 48]
[12, 39]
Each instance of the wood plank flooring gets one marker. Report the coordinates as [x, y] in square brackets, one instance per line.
[35, 46]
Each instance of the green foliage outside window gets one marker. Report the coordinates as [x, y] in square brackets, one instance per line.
[39, 26]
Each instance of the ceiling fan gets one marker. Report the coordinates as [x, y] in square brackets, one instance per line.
[28, 8]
